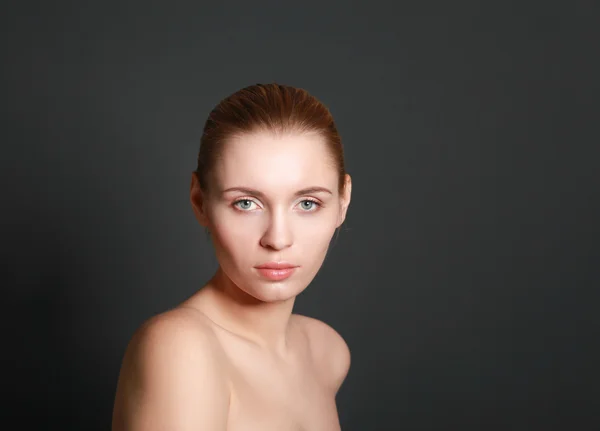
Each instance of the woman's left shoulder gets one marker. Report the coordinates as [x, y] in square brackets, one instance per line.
[328, 348]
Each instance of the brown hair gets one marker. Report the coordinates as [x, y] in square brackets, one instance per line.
[267, 107]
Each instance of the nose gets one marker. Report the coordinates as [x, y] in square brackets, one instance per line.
[278, 234]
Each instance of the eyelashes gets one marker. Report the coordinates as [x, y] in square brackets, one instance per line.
[314, 204]
[245, 205]
[237, 205]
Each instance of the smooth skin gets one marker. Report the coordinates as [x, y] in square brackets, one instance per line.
[233, 356]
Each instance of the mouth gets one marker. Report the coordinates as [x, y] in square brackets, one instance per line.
[276, 271]
[276, 265]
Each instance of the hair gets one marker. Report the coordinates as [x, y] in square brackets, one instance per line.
[274, 108]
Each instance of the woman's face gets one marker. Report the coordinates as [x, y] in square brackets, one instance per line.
[273, 200]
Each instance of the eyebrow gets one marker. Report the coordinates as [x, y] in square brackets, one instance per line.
[254, 192]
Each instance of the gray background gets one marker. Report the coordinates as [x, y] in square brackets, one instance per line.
[465, 278]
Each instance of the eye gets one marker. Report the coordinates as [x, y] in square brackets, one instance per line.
[244, 204]
[309, 205]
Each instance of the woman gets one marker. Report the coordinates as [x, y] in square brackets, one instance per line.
[271, 189]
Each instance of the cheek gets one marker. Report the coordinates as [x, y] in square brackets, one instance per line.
[236, 239]
[314, 237]
[234, 236]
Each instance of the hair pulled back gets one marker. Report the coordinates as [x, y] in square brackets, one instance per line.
[274, 108]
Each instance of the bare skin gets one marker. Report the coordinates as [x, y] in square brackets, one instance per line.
[233, 356]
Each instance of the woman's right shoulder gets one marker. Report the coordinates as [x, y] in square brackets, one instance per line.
[172, 365]
[181, 330]
[178, 322]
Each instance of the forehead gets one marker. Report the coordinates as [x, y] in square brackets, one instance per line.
[275, 163]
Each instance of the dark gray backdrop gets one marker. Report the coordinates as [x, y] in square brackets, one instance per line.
[465, 279]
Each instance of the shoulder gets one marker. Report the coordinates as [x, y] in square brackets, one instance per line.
[177, 335]
[328, 349]
[171, 376]
[182, 321]
[180, 327]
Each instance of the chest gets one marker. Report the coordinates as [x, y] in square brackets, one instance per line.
[267, 397]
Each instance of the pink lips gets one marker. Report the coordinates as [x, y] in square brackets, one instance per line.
[276, 271]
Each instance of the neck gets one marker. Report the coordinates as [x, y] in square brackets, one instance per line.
[264, 323]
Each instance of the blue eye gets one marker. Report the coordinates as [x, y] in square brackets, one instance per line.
[309, 205]
[243, 204]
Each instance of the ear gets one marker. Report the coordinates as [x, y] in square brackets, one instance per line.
[345, 199]
[198, 200]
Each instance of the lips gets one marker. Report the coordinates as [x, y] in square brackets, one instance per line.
[276, 265]
[276, 271]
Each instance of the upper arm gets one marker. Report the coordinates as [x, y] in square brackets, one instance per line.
[340, 359]
[331, 352]
[171, 379]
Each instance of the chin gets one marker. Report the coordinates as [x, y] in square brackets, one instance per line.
[268, 291]
[260, 287]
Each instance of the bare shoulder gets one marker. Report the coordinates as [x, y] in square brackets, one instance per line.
[329, 349]
[179, 334]
[171, 376]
